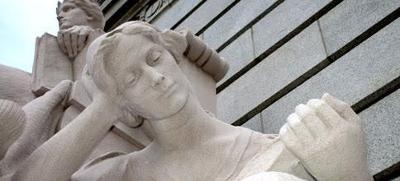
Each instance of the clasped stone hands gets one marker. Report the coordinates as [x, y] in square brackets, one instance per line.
[326, 136]
[73, 40]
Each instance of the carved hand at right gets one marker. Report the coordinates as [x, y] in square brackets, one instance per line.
[327, 138]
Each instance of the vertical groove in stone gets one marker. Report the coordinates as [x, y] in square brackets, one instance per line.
[322, 38]
[262, 124]
[253, 48]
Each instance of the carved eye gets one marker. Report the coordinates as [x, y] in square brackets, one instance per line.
[68, 7]
[153, 58]
[131, 79]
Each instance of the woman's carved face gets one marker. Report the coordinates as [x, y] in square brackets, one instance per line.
[152, 82]
[70, 15]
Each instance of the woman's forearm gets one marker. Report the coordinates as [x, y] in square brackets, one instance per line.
[63, 154]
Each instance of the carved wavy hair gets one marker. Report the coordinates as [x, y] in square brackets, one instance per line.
[105, 60]
[91, 8]
[104, 65]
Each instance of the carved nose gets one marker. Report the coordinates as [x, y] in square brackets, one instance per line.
[60, 15]
[157, 79]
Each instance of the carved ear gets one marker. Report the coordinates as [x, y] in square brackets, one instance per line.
[101, 76]
[131, 120]
[90, 18]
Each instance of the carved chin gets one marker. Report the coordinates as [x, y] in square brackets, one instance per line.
[174, 105]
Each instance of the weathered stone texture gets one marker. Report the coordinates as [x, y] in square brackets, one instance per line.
[268, 31]
[281, 21]
[238, 54]
[357, 74]
[272, 74]
[15, 85]
[205, 14]
[382, 131]
[254, 123]
[350, 18]
[172, 14]
[234, 20]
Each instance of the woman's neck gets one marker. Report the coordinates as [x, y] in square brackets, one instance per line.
[195, 142]
[189, 127]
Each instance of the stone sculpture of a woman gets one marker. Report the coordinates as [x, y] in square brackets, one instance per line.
[133, 75]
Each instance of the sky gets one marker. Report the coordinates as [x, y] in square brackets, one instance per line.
[21, 21]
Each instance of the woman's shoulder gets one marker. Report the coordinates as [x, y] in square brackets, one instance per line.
[109, 165]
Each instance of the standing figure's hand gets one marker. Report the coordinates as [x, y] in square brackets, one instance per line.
[327, 137]
[73, 40]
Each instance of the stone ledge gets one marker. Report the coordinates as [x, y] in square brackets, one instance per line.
[358, 70]
[234, 20]
[202, 16]
[302, 53]
[350, 18]
[170, 16]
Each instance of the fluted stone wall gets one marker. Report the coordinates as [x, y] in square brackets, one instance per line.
[285, 52]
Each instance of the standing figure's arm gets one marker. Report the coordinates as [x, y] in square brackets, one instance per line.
[60, 156]
[327, 137]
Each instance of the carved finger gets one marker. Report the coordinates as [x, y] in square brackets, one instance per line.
[342, 108]
[290, 140]
[67, 42]
[51, 98]
[303, 133]
[82, 41]
[325, 112]
[312, 121]
[60, 40]
[61, 89]
[74, 43]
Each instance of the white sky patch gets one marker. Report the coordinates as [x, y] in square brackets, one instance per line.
[21, 21]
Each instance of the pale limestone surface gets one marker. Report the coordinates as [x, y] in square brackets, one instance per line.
[39, 116]
[272, 176]
[63, 57]
[80, 22]
[56, 59]
[15, 85]
[134, 74]
[13, 119]
[163, 83]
